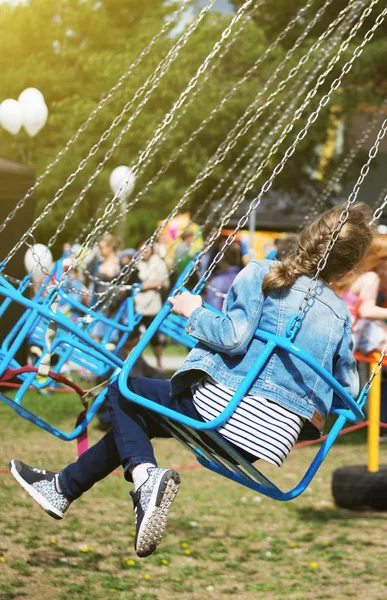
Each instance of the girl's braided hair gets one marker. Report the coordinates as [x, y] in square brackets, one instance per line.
[350, 247]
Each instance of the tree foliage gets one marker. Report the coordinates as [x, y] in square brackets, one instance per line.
[76, 50]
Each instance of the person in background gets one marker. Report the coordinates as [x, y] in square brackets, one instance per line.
[360, 291]
[153, 276]
[220, 282]
[105, 271]
[183, 252]
[75, 291]
[272, 255]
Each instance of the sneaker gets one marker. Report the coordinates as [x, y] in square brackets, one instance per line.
[41, 486]
[152, 501]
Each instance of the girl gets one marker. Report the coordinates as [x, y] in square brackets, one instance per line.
[361, 295]
[268, 420]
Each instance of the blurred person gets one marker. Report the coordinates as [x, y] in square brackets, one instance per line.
[220, 283]
[287, 246]
[183, 252]
[105, 270]
[360, 290]
[272, 254]
[153, 276]
[75, 290]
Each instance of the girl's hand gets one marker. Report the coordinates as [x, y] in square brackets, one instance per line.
[185, 304]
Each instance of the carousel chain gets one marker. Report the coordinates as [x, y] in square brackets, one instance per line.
[215, 110]
[301, 134]
[251, 166]
[376, 369]
[168, 118]
[238, 182]
[166, 121]
[345, 213]
[379, 211]
[154, 79]
[124, 210]
[342, 169]
[244, 152]
[106, 98]
[232, 139]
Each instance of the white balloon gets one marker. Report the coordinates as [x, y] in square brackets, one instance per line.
[34, 116]
[38, 261]
[122, 181]
[11, 116]
[30, 95]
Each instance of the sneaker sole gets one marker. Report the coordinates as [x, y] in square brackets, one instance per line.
[155, 518]
[41, 500]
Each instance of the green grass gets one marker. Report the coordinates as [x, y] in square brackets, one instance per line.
[222, 541]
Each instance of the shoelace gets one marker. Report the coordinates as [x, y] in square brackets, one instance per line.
[39, 471]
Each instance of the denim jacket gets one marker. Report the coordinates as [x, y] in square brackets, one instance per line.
[227, 349]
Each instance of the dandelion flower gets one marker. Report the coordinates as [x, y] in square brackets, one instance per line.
[53, 541]
[147, 577]
[187, 552]
[164, 561]
[133, 533]
[130, 562]
[184, 545]
[2, 559]
[178, 579]
[313, 565]
[112, 590]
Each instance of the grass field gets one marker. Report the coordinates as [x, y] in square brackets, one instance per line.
[222, 540]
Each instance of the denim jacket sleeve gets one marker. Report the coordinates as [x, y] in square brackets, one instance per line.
[232, 331]
[344, 368]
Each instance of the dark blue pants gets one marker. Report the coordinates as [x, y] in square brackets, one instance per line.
[128, 442]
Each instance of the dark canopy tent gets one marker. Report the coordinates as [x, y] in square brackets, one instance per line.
[15, 180]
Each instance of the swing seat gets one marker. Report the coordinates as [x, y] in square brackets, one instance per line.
[71, 342]
[211, 449]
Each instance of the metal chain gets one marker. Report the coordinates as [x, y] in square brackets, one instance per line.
[167, 120]
[238, 183]
[312, 118]
[231, 141]
[124, 211]
[170, 115]
[343, 168]
[379, 211]
[376, 370]
[224, 100]
[155, 78]
[351, 199]
[106, 98]
[290, 109]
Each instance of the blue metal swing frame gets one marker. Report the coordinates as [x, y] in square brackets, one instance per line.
[211, 449]
[71, 342]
